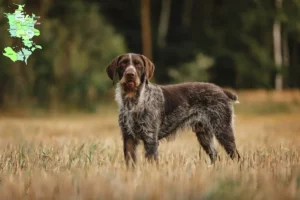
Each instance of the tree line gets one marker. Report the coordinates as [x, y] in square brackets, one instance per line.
[238, 44]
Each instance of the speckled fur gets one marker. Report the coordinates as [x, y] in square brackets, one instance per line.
[162, 110]
[149, 112]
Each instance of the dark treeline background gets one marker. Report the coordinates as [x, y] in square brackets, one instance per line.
[239, 44]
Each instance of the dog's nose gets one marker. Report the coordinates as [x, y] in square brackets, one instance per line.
[130, 74]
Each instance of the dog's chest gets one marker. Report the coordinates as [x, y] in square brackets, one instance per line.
[142, 115]
[133, 121]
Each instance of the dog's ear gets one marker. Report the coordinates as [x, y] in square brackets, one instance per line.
[149, 67]
[111, 68]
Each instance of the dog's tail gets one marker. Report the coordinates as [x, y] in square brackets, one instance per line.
[231, 96]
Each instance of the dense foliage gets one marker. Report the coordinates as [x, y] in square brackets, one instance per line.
[226, 42]
[77, 46]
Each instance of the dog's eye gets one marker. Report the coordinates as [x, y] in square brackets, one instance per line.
[137, 64]
[138, 67]
[124, 63]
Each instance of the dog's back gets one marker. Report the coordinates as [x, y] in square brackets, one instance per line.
[190, 103]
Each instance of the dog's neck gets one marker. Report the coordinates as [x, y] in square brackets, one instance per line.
[133, 100]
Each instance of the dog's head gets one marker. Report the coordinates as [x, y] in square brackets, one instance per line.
[132, 70]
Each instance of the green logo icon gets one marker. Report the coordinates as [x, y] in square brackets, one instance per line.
[21, 25]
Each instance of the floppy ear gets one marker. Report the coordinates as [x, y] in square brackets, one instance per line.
[149, 67]
[111, 68]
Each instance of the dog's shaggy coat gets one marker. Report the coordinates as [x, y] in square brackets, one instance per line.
[150, 112]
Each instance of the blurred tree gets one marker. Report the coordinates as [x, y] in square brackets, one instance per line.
[277, 48]
[237, 35]
[70, 69]
[228, 43]
[146, 28]
[163, 23]
[193, 71]
[187, 11]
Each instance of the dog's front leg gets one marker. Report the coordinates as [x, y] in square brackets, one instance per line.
[151, 147]
[130, 144]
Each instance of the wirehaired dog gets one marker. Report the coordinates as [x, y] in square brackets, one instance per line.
[150, 112]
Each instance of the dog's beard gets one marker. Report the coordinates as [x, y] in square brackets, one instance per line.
[130, 86]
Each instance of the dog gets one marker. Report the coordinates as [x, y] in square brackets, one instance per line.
[150, 112]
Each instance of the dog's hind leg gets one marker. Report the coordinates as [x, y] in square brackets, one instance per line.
[225, 136]
[206, 140]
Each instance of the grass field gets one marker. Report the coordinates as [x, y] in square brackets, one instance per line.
[80, 157]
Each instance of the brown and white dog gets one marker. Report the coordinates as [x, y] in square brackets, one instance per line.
[150, 112]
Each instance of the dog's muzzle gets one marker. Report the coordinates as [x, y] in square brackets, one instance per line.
[130, 74]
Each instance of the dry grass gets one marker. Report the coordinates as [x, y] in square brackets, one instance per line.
[80, 157]
[262, 96]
